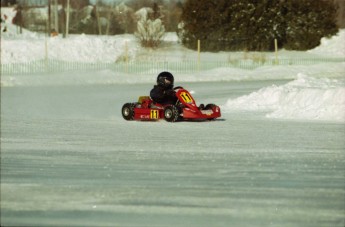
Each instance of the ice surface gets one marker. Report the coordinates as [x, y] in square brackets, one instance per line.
[68, 158]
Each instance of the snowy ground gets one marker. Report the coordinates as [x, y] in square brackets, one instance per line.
[275, 158]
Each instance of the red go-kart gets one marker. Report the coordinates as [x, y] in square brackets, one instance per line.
[184, 109]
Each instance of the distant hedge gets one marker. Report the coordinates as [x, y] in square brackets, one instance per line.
[253, 25]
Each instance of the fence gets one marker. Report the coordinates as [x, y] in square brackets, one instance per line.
[142, 67]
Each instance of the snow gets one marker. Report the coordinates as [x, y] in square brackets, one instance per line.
[143, 13]
[284, 101]
[304, 98]
[275, 158]
[334, 46]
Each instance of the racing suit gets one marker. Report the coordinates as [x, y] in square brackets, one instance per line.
[163, 95]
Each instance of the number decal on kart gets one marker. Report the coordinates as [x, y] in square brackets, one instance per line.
[186, 97]
[154, 114]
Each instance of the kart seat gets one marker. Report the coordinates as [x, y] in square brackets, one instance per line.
[145, 101]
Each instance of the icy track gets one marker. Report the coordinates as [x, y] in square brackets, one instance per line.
[69, 159]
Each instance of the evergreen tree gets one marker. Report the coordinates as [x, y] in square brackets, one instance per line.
[254, 24]
[200, 20]
[307, 22]
[264, 23]
[233, 25]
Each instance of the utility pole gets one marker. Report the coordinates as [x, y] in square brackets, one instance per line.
[56, 19]
[67, 17]
[98, 20]
[49, 18]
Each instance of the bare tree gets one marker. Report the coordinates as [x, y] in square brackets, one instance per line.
[149, 31]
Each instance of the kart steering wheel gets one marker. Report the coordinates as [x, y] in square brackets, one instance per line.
[178, 87]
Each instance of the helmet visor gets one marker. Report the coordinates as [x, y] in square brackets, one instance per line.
[166, 81]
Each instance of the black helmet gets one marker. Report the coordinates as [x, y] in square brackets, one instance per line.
[165, 79]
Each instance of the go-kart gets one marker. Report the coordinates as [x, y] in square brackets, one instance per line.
[184, 109]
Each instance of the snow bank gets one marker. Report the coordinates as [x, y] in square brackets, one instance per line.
[108, 76]
[77, 48]
[333, 47]
[304, 98]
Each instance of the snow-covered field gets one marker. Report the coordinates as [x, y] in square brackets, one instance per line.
[275, 158]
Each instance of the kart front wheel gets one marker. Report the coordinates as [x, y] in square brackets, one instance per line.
[171, 113]
[128, 111]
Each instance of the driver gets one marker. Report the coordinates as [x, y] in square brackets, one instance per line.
[163, 93]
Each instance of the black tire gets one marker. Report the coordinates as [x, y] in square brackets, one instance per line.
[178, 87]
[209, 107]
[171, 113]
[128, 111]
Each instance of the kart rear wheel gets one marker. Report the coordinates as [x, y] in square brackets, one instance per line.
[128, 111]
[171, 113]
[210, 107]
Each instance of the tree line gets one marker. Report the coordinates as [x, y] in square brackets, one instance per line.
[254, 24]
[221, 25]
[104, 17]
